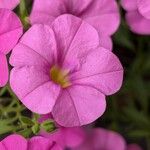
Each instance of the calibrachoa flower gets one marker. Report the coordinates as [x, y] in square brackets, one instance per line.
[138, 15]
[63, 70]
[17, 142]
[65, 137]
[9, 4]
[101, 14]
[10, 31]
[102, 139]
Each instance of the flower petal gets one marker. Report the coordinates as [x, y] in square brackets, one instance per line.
[105, 139]
[138, 23]
[34, 88]
[144, 8]
[78, 105]
[15, 142]
[9, 4]
[103, 15]
[39, 143]
[106, 42]
[45, 12]
[10, 30]
[2, 146]
[101, 70]
[23, 55]
[74, 36]
[3, 70]
[129, 5]
[73, 136]
[41, 39]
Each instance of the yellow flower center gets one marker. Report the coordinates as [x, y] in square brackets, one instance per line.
[59, 76]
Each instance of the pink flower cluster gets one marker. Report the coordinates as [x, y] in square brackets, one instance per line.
[72, 138]
[138, 15]
[17, 142]
[64, 65]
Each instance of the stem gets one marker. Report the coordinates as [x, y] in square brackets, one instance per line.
[23, 14]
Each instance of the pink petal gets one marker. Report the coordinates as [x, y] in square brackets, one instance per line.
[103, 15]
[39, 143]
[106, 42]
[138, 23]
[56, 147]
[144, 8]
[129, 5]
[45, 12]
[56, 136]
[73, 136]
[77, 7]
[10, 30]
[78, 105]
[41, 39]
[3, 70]
[23, 55]
[104, 139]
[9, 4]
[86, 9]
[15, 142]
[134, 147]
[33, 87]
[37, 17]
[101, 70]
[2, 146]
[74, 37]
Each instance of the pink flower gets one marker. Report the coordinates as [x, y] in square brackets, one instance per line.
[65, 137]
[10, 31]
[102, 139]
[138, 15]
[63, 70]
[17, 142]
[9, 4]
[101, 14]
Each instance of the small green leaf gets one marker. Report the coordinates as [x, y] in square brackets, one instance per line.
[36, 128]
[48, 126]
[26, 120]
[26, 132]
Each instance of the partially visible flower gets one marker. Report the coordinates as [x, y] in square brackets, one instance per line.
[65, 137]
[9, 4]
[103, 139]
[10, 31]
[63, 70]
[17, 142]
[138, 15]
[103, 15]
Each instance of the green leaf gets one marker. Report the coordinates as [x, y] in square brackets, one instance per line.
[36, 128]
[26, 121]
[26, 132]
[48, 126]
